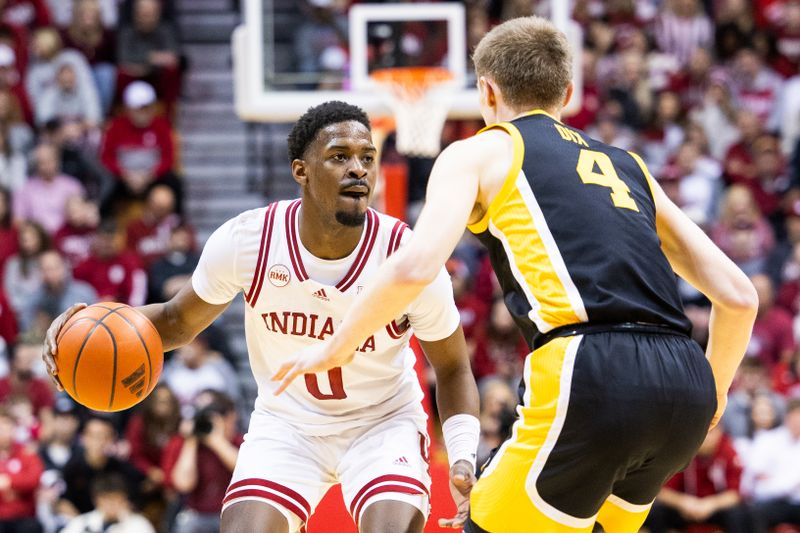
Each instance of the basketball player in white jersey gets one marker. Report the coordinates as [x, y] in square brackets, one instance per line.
[300, 264]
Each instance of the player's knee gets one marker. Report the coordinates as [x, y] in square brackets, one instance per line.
[240, 517]
[392, 517]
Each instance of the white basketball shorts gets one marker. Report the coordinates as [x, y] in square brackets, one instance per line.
[281, 467]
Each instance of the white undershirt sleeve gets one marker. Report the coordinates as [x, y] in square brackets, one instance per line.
[215, 279]
[434, 315]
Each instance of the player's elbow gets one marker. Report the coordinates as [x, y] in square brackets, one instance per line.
[740, 298]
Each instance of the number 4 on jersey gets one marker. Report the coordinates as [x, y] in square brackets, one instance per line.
[607, 177]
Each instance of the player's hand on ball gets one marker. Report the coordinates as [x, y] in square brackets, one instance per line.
[461, 481]
[50, 345]
[316, 358]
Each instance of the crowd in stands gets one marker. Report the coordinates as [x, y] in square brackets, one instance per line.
[91, 209]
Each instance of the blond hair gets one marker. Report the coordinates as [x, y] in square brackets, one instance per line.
[530, 61]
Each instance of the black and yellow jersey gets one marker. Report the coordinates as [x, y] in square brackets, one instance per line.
[572, 234]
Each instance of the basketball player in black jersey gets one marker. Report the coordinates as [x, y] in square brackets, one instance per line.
[616, 398]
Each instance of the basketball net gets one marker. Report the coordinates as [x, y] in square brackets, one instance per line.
[418, 99]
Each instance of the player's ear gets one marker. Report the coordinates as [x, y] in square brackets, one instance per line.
[299, 172]
[488, 92]
[568, 94]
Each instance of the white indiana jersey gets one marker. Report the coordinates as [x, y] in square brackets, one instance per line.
[294, 299]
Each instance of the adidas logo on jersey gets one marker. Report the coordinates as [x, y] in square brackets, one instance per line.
[321, 295]
[402, 461]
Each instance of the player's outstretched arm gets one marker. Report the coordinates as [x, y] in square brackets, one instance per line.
[458, 402]
[451, 196]
[734, 301]
[178, 321]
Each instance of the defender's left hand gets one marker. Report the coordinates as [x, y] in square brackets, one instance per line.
[462, 480]
[316, 358]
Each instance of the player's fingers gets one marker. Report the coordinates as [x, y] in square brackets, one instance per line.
[49, 361]
[282, 371]
[456, 522]
[293, 373]
[75, 308]
[58, 323]
[462, 478]
[57, 381]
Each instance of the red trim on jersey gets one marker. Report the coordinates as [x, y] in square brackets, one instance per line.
[291, 235]
[263, 254]
[266, 495]
[270, 485]
[362, 494]
[397, 237]
[395, 229]
[394, 330]
[423, 449]
[402, 489]
[363, 254]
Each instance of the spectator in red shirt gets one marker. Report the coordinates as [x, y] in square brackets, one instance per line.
[8, 320]
[770, 181]
[773, 339]
[472, 309]
[199, 465]
[27, 13]
[499, 348]
[18, 132]
[74, 239]
[8, 232]
[739, 166]
[138, 147]
[22, 381]
[148, 236]
[115, 274]
[148, 433]
[11, 80]
[16, 37]
[706, 492]
[20, 470]
[787, 41]
[786, 377]
[590, 99]
[690, 84]
[756, 86]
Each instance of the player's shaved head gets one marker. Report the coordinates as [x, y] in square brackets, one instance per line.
[317, 118]
[530, 61]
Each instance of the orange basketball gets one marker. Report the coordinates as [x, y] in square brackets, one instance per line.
[109, 356]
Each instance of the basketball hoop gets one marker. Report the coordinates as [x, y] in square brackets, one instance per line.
[418, 98]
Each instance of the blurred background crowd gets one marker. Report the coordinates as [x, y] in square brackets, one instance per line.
[92, 208]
